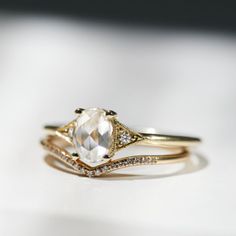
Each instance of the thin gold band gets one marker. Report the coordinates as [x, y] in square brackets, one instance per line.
[56, 147]
[151, 139]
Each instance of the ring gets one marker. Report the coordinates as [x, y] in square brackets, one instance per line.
[88, 143]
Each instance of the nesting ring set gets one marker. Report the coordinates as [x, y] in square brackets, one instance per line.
[89, 142]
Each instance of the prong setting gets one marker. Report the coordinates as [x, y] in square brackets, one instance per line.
[106, 157]
[74, 154]
[110, 113]
[79, 110]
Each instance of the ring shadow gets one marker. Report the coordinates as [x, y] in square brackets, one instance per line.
[189, 167]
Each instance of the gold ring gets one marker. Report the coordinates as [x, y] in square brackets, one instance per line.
[88, 143]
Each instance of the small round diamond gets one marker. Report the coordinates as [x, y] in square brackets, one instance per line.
[125, 138]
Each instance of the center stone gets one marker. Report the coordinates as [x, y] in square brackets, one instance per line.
[93, 135]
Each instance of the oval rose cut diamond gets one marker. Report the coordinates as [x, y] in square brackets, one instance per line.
[93, 135]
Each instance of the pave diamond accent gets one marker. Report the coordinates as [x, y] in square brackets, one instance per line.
[93, 135]
[103, 169]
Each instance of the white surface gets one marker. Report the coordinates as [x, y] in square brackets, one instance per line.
[179, 82]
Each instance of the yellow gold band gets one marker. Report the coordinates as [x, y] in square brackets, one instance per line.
[150, 139]
[57, 147]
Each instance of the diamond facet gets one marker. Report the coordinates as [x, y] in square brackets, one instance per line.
[93, 135]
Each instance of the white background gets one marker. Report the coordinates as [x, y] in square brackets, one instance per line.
[177, 81]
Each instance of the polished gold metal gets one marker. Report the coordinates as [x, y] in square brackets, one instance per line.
[59, 138]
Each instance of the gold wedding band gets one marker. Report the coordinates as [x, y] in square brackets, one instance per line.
[88, 143]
